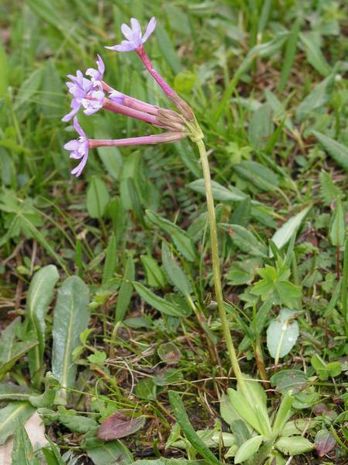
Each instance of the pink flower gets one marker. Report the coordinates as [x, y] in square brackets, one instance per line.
[78, 149]
[87, 93]
[134, 37]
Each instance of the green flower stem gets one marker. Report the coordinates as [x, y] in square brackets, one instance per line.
[216, 263]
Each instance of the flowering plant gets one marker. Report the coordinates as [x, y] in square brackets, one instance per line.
[248, 403]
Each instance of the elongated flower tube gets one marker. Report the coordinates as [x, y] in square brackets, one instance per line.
[135, 41]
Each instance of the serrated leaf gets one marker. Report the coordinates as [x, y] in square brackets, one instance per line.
[71, 316]
[337, 231]
[245, 240]
[248, 449]
[174, 272]
[329, 191]
[336, 150]
[40, 295]
[160, 304]
[317, 98]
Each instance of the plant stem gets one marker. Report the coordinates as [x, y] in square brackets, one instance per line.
[216, 263]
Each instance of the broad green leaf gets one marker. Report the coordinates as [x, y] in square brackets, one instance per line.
[126, 289]
[289, 380]
[97, 198]
[174, 271]
[261, 126]
[108, 453]
[245, 240]
[181, 239]
[294, 445]
[77, 423]
[336, 150]
[255, 394]
[191, 435]
[71, 316]
[110, 259]
[248, 449]
[245, 410]
[39, 297]
[337, 231]
[220, 192]
[324, 442]
[23, 453]
[314, 55]
[12, 415]
[160, 304]
[282, 236]
[282, 334]
[299, 426]
[257, 175]
[317, 98]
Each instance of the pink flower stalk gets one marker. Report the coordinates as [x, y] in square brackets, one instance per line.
[135, 41]
[92, 93]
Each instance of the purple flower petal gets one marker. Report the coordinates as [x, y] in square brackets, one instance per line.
[78, 128]
[72, 145]
[149, 30]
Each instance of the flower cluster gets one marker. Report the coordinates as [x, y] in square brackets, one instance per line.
[91, 93]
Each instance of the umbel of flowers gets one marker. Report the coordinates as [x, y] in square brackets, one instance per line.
[90, 93]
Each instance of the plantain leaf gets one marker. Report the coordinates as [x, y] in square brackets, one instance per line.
[71, 316]
[248, 449]
[40, 295]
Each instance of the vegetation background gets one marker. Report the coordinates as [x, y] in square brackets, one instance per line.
[267, 80]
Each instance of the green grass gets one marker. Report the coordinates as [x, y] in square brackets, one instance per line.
[267, 81]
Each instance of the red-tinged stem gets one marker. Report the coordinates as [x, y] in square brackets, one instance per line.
[171, 94]
[143, 140]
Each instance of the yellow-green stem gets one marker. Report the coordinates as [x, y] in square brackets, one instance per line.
[216, 263]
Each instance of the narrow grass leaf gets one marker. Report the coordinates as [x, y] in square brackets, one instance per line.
[20, 349]
[314, 55]
[290, 53]
[40, 295]
[126, 289]
[110, 259]
[337, 151]
[337, 231]
[191, 435]
[160, 304]
[220, 192]
[71, 316]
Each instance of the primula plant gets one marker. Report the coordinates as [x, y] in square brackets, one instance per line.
[257, 437]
